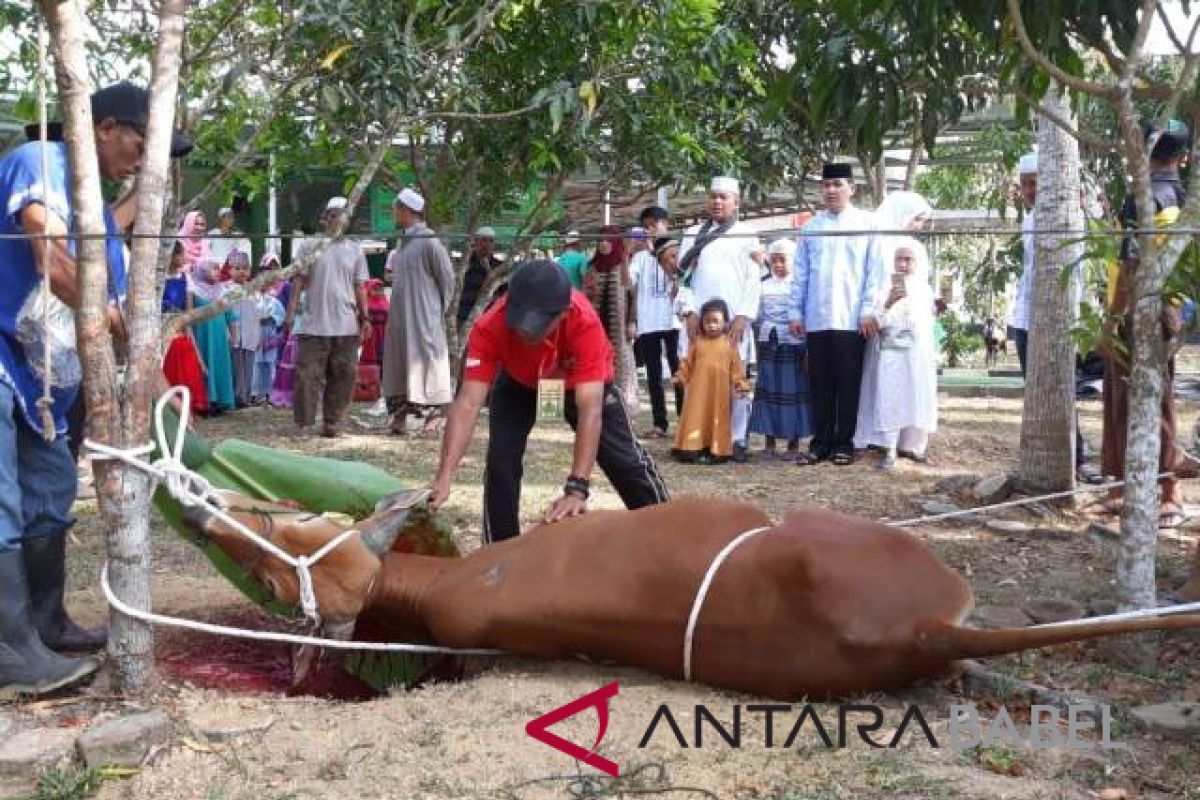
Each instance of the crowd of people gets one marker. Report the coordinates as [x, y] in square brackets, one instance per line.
[827, 337]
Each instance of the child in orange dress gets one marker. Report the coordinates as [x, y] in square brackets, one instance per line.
[711, 373]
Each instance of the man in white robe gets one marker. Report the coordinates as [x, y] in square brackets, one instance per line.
[225, 238]
[714, 261]
[835, 304]
[416, 359]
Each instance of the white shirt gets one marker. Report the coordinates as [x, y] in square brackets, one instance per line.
[221, 248]
[836, 277]
[1020, 310]
[652, 287]
[725, 270]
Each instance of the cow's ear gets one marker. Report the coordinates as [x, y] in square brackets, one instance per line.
[379, 531]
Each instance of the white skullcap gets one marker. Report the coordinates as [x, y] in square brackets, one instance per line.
[572, 237]
[224, 210]
[485, 233]
[723, 183]
[785, 247]
[410, 199]
[336, 204]
[1028, 164]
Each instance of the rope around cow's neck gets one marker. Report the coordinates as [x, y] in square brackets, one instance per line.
[192, 489]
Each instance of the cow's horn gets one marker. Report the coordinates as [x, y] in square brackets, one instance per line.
[379, 531]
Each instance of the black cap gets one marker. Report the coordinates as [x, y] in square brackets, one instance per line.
[125, 103]
[537, 293]
[832, 171]
[1173, 141]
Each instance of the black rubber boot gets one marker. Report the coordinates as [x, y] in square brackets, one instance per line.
[28, 667]
[45, 566]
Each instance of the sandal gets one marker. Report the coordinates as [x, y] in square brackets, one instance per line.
[842, 459]
[912, 456]
[806, 459]
[1169, 519]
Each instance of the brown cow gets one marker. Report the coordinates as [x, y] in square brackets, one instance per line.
[822, 605]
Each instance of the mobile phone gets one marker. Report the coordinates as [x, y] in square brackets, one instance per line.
[897, 280]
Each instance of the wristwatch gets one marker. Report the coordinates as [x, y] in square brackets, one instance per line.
[580, 487]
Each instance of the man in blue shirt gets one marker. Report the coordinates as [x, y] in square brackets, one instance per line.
[37, 475]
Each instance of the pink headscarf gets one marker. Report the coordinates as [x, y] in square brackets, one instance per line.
[195, 246]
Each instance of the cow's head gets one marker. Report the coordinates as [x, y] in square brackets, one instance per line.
[343, 580]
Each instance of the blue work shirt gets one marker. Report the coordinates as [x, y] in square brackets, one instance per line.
[22, 337]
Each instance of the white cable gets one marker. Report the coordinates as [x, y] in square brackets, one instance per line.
[45, 403]
[242, 633]
[966, 512]
[191, 489]
[698, 603]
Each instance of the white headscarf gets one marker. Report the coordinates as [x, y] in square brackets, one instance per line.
[917, 304]
[899, 209]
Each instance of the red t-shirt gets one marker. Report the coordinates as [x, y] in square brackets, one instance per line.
[578, 351]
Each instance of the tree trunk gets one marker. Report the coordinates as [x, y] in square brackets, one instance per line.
[118, 413]
[1048, 422]
[917, 148]
[1135, 581]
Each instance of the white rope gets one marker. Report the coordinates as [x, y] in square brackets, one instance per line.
[191, 489]
[967, 512]
[45, 403]
[289, 638]
[698, 603]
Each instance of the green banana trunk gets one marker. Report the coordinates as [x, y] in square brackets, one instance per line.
[319, 485]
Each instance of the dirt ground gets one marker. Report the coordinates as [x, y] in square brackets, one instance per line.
[467, 738]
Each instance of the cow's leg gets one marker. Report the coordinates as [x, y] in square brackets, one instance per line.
[628, 466]
[511, 413]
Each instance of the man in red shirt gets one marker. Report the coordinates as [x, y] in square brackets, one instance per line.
[542, 328]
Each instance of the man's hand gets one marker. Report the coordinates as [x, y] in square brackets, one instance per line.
[631, 331]
[868, 327]
[693, 326]
[796, 327]
[569, 505]
[896, 295]
[439, 490]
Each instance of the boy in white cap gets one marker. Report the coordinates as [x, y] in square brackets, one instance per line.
[714, 262]
[416, 358]
[335, 322]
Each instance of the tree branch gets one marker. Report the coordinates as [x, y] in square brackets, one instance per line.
[1058, 73]
[1166, 22]
[243, 153]
[391, 129]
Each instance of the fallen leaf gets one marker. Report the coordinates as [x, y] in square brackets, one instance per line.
[1112, 793]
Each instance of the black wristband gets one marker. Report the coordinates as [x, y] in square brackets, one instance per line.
[577, 486]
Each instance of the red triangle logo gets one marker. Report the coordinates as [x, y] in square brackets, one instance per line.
[537, 728]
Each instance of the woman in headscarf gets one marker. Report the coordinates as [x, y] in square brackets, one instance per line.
[213, 335]
[191, 235]
[606, 285]
[898, 404]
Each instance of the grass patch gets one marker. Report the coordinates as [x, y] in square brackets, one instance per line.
[67, 783]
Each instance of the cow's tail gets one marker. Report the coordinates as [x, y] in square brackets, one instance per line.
[955, 642]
